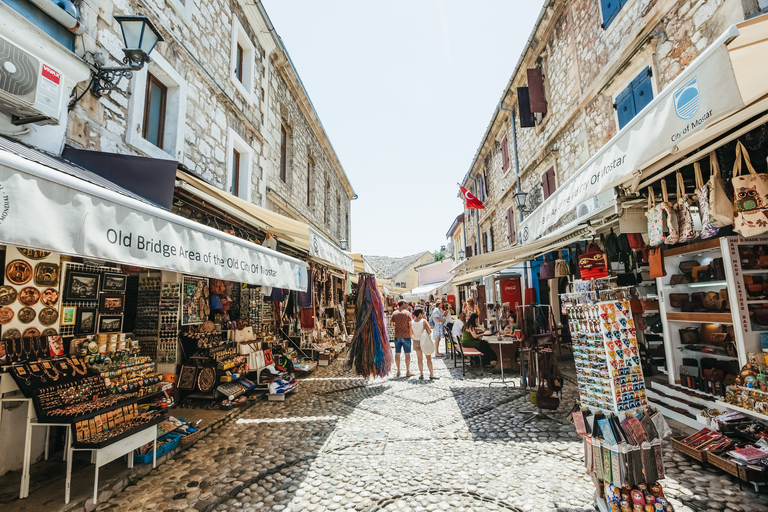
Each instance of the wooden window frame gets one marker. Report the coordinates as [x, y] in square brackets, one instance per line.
[239, 54]
[235, 188]
[283, 154]
[152, 79]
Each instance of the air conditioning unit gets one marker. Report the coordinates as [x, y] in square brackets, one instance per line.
[597, 202]
[30, 89]
[586, 207]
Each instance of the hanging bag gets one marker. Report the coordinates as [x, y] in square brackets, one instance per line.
[562, 268]
[683, 211]
[655, 221]
[720, 205]
[750, 197]
[592, 264]
[672, 237]
[427, 345]
[708, 230]
[547, 269]
[656, 262]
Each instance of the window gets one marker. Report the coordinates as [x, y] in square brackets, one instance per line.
[338, 215]
[634, 98]
[239, 63]
[154, 111]
[283, 155]
[610, 9]
[239, 157]
[536, 93]
[548, 182]
[504, 154]
[243, 61]
[235, 181]
[310, 165]
[346, 228]
[326, 199]
[143, 129]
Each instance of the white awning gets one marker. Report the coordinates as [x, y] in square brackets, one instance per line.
[322, 248]
[424, 290]
[701, 95]
[43, 208]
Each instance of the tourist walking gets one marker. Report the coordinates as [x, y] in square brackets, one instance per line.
[402, 322]
[438, 319]
[419, 324]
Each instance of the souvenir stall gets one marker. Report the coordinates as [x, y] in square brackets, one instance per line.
[97, 301]
[622, 435]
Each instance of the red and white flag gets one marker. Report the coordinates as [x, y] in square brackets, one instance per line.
[472, 201]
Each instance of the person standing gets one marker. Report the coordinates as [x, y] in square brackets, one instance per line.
[402, 322]
[418, 325]
[438, 319]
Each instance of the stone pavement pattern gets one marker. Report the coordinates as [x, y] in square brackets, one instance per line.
[344, 443]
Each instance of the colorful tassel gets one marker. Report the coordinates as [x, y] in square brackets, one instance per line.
[369, 352]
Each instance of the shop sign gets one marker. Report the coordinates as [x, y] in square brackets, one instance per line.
[321, 247]
[45, 214]
[703, 93]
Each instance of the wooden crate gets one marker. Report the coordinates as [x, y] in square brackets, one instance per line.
[696, 454]
[723, 463]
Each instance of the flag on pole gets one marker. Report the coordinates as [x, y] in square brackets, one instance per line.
[472, 201]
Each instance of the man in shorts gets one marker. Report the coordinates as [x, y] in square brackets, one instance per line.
[402, 321]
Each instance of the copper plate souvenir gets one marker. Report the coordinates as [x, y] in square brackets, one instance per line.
[31, 332]
[29, 296]
[49, 297]
[18, 272]
[201, 306]
[48, 316]
[205, 292]
[50, 332]
[206, 379]
[26, 315]
[206, 309]
[34, 254]
[11, 334]
[93, 347]
[7, 295]
[6, 315]
[47, 274]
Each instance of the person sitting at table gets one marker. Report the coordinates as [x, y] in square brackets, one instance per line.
[508, 321]
[471, 337]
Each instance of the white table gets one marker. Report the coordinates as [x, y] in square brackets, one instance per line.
[500, 342]
[102, 456]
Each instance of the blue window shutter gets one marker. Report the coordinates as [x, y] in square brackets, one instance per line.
[625, 106]
[642, 90]
[610, 8]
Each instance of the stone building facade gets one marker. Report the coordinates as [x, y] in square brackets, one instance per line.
[229, 91]
[585, 63]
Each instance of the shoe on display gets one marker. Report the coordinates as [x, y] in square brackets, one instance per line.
[279, 387]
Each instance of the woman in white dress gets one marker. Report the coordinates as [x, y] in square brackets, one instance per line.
[418, 325]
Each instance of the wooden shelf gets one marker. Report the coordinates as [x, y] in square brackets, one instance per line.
[742, 410]
[704, 318]
[696, 247]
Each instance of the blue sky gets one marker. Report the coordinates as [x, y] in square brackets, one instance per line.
[405, 90]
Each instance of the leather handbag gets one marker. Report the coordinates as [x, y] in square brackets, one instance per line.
[656, 262]
[720, 205]
[561, 268]
[592, 265]
[686, 267]
[718, 269]
[749, 191]
[636, 241]
[701, 274]
[748, 257]
[687, 231]
[676, 300]
[547, 269]
[708, 230]
[712, 301]
[678, 279]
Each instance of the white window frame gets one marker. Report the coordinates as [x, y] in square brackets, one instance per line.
[235, 142]
[175, 110]
[239, 36]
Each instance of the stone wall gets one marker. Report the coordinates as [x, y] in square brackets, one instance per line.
[585, 67]
[209, 109]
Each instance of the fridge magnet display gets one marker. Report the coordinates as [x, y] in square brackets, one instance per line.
[48, 316]
[26, 315]
[111, 303]
[18, 272]
[46, 274]
[34, 254]
[7, 295]
[81, 286]
[110, 323]
[55, 346]
[85, 321]
[68, 315]
[29, 296]
[49, 297]
[114, 283]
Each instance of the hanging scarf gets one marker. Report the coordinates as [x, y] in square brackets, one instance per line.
[369, 352]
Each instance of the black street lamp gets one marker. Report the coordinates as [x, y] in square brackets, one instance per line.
[520, 199]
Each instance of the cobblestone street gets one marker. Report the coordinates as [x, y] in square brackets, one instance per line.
[401, 444]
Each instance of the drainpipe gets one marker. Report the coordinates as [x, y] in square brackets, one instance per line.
[517, 175]
[67, 16]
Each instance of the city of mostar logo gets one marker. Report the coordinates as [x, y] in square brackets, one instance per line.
[316, 244]
[687, 99]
